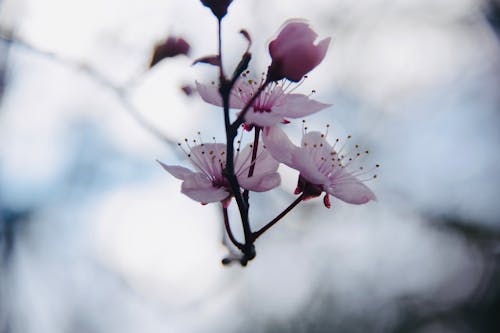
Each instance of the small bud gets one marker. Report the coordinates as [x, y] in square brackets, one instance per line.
[187, 90]
[171, 47]
[218, 7]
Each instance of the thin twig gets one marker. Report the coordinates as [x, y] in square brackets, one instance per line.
[228, 229]
[259, 232]
[120, 92]
[252, 162]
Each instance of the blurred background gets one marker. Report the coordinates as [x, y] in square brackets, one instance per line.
[95, 236]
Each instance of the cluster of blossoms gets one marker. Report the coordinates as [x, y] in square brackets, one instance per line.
[223, 173]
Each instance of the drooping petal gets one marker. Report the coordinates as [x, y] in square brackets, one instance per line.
[177, 171]
[260, 183]
[210, 94]
[199, 188]
[299, 105]
[349, 189]
[278, 144]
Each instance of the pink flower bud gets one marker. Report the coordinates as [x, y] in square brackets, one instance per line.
[294, 53]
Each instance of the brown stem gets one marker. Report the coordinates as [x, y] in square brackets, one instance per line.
[262, 230]
[225, 87]
[219, 45]
[254, 157]
[228, 229]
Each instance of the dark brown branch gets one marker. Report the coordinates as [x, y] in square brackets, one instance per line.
[252, 161]
[228, 229]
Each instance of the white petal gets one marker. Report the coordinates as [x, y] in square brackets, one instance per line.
[209, 93]
[260, 183]
[349, 189]
[177, 171]
[298, 105]
[307, 165]
[263, 119]
[279, 145]
[199, 188]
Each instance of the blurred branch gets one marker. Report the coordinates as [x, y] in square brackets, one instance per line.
[121, 92]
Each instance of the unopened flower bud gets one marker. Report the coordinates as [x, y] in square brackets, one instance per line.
[171, 47]
[294, 53]
[218, 7]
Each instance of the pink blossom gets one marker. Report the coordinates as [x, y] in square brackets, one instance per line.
[294, 53]
[274, 105]
[207, 184]
[321, 167]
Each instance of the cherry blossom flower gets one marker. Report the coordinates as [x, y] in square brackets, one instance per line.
[207, 184]
[322, 168]
[294, 53]
[274, 105]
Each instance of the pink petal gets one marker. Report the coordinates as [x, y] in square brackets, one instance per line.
[259, 183]
[177, 171]
[202, 157]
[210, 94]
[316, 140]
[264, 163]
[321, 49]
[278, 144]
[263, 119]
[299, 105]
[199, 188]
[291, 31]
[294, 53]
[347, 188]
[307, 166]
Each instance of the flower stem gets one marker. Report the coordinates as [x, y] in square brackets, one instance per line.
[225, 87]
[228, 229]
[262, 230]
[219, 45]
[252, 162]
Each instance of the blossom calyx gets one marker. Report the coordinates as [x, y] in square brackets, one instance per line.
[294, 53]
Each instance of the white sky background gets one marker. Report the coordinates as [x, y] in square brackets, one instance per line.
[114, 247]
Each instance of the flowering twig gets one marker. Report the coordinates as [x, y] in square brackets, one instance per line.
[221, 173]
[259, 232]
